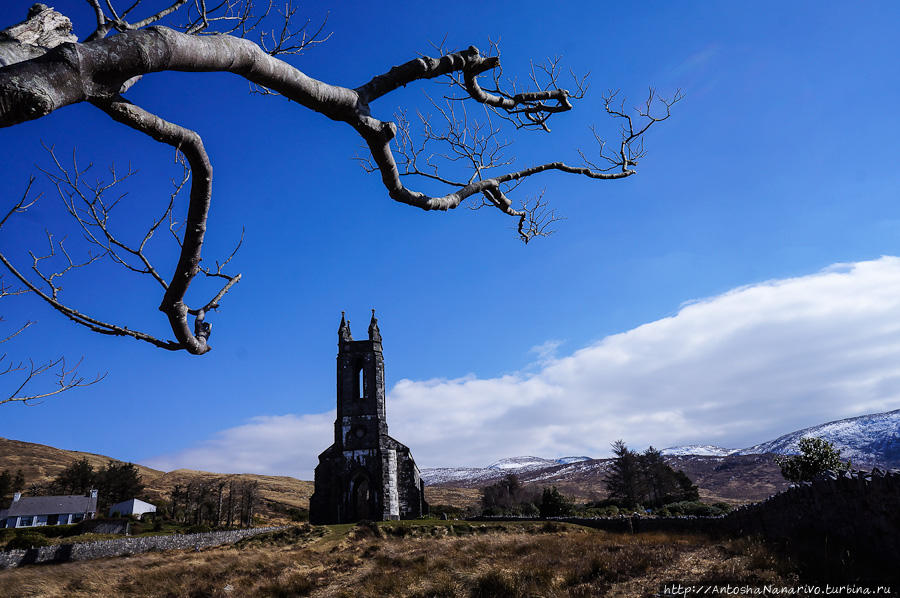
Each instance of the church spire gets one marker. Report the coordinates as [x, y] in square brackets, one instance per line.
[344, 330]
[374, 333]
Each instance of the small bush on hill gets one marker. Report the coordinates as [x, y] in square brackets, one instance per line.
[26, 540]
[817, 455]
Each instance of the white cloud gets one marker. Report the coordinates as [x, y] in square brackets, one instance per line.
[267, 444]
[734, 370]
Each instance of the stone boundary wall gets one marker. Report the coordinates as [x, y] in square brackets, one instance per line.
[84, 551]
[849, 519]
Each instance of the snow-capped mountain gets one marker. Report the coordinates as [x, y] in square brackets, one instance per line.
[517, 465]
[872, 439]
[867, 440]
[567, 460]
[704, 450]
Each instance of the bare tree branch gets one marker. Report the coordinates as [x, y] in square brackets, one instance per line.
[66, 378]
[190, 144]
[85, 203]
[50, 296]
[100, 69]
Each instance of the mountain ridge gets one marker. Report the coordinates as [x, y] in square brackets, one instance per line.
[868, 440]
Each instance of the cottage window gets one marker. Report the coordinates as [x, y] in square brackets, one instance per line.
[76, 517]
[40, 520]
[26, 521]
[62, 519]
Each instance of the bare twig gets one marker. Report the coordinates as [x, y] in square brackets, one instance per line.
[292, 41]
[66, 378]
[51, 295]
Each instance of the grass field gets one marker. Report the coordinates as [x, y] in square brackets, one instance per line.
[414, 559]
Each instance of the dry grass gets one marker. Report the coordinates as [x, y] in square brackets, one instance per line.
[411, 559]
[458, 497]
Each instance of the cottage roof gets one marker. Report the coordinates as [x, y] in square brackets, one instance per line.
[131, 503]
[52, 505]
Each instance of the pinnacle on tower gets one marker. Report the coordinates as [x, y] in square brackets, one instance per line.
[374, 333]
[344, 330]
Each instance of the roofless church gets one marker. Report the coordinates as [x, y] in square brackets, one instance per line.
[365, 474]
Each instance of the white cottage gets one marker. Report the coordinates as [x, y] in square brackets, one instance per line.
[133, 506]
[35, 511]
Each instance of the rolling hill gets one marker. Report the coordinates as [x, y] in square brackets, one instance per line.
[40, 463]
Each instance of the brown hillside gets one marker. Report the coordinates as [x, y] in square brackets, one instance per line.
[41, 463]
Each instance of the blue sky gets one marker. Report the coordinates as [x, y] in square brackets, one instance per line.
[780, 163]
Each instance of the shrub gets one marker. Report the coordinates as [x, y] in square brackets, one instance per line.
[296, 584]
[494, 584]
[695, 508]
[297, 514]
[724, 507]
[366, 529]
[26, 540]
[199, 529]
[817, 455]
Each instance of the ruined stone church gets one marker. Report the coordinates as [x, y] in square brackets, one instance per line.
[365, 474]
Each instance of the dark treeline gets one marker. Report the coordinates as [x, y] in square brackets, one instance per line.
[114, 482]
[641, 482]
[510, 497]
[215, 502]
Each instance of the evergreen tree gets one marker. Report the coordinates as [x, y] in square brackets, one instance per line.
[662, 483]
[623, 480]
[554, 504]
[646, 478]
[5, 488]
[658, 478]
[77, 478]
[117, 482]
[687, 490]
[816, 456]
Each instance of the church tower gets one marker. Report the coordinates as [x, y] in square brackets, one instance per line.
[365, 474]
